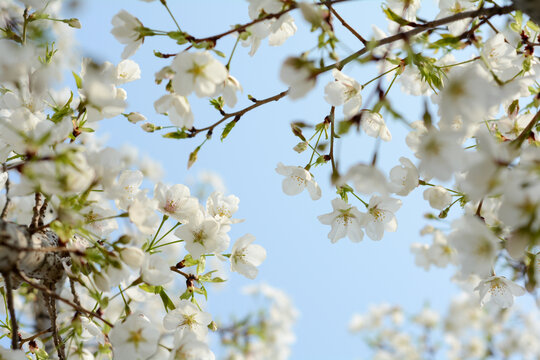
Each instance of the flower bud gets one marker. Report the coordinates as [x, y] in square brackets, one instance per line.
[132, 256]
[135, 117]
[148, 127]
[439, 198]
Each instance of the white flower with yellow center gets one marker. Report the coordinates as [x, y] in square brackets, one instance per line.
[499, 290]
[134, 339]
[245, 256]
[187, 317]
[380, 216]
[344, 91]
[297, 179]
[197, 72]
[346, 221]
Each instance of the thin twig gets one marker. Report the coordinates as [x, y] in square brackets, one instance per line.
[58, 297]
[332, 134]
[11, 309]
[33, 337]
[3, 215]
[239, 113]
[344, 23]
[51, 307]
[243, 27]
[487, 12]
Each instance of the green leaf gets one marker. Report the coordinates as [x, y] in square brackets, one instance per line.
[186, 295]
[227, 129]
[219, 53]
[392, 16]
[193, 156]
[179, 134]
[531, 25]
[78, 80]
[167, 302]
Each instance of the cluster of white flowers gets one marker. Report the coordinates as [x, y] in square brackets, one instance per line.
[484, 140]
[464, 331]
[271, 335]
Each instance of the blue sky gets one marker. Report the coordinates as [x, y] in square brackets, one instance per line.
[327, 282]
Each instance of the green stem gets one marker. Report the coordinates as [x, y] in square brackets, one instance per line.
[390, 86]
[161, 238]
[169, 243]
[163, 219]
[459, 63]
[232, 53]
[164, 2]
[316, 144]
[375, 78]
[362, 201]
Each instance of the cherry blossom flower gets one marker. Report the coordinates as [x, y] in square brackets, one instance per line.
[498, 290]
[189, 347]
[127, 71]
[297, 73]
[439, 198]
[176, 201]
[297, 179]
[187, 317]
[126, 29]
[204, 234]
[197, 72]
[134, 339]
[245, 256]
[373, 125]
[404, 178]
[222, 207]
[380, 216]
[155, 271]
[345, 220]
[177, 108]
[344, 91]
[476, 245]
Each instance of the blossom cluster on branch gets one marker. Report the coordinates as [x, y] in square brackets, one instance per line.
[93, 245]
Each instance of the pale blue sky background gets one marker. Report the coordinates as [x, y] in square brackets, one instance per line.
[327, 282]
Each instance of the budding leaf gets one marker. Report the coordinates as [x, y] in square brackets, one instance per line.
[193, 156]
[227, 129]
[167, 302]
[179, 134]
[78, 80]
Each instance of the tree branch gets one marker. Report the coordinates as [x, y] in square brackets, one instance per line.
[487, 12]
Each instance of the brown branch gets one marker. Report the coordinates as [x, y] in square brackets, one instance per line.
[51, 307]
[47, 291]
[33, 337]
[238, 114]
[344, 23]
[3, 215]
[487, 12]
[36, 211]
[11, 309]
[243, 27]
[335, 174]
[525, 133]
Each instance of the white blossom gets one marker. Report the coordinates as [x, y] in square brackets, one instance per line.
[499, 290]
[197, 72]
[297, 179]
[126, 29]
[380, 216]
[135, 338]
[344, 91]
[345, 220]
[245, 256]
